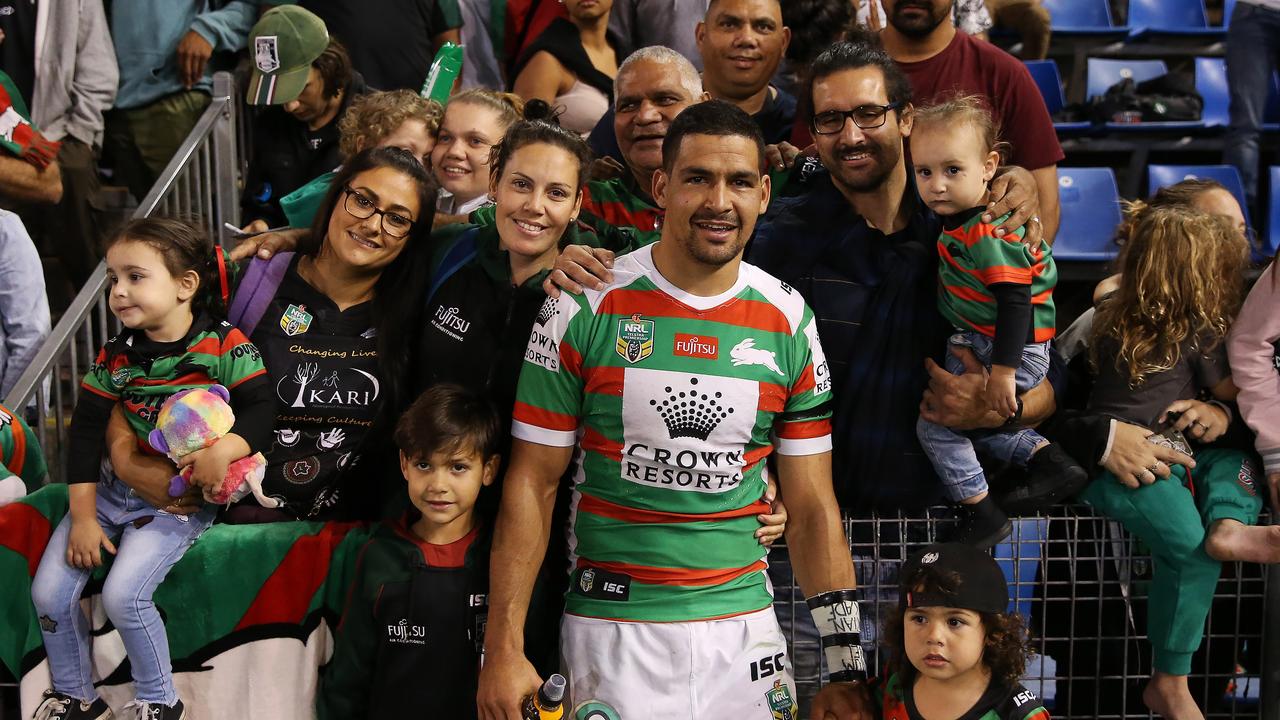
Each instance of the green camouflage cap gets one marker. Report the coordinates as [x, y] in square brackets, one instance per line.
[284, 43]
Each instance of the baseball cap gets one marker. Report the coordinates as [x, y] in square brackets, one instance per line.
[979, 583]
[284, 43]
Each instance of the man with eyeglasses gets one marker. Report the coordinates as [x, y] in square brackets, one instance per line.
[860, 246]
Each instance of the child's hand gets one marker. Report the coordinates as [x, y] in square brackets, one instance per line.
[209, 466]
[1002, 391]
[83, 543]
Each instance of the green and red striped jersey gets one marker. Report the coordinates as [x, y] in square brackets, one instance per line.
[897, 702]
[617, 202]
[22, 464]
[215, 352]
[971, 259]
[673, 401]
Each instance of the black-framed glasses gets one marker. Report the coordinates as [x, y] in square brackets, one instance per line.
[359, 206]
[867, 117]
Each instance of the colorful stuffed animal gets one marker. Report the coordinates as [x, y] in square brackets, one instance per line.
[194, 419]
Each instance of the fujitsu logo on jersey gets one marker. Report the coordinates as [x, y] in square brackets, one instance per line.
[448, 319]
[696, 346]
[688, 413]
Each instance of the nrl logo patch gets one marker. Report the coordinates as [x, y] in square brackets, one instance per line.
[266, 53]
[295, 321]
[120, 377]
[780, 703]
[635, 338]
[587, 580]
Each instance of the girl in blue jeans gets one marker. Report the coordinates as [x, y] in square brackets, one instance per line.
[159, 272]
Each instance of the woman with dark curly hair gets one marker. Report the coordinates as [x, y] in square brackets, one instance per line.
[953, 645]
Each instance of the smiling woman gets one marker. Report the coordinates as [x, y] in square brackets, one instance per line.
[335, 333]
[486, 281]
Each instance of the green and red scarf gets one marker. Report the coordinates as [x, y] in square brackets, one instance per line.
[17, 134]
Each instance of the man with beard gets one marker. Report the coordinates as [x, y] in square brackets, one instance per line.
[861, 247]
[676, 382]
[940, 62]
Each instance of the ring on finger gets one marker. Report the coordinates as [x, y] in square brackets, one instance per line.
[1154, 469]
[1035, 219]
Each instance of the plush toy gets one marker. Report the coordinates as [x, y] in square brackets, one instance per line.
[194, 419]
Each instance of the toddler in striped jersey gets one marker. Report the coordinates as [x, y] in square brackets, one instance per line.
[998, 294]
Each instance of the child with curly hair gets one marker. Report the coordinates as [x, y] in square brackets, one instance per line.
[1160, 359]
[953, 645]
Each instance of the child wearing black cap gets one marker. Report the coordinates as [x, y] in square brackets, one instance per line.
[952, 643]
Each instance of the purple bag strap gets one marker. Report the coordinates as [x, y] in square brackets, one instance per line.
[256, 291]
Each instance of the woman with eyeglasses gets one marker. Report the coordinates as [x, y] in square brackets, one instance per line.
[335, 331]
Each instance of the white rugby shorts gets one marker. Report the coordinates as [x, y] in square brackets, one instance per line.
[735, 668]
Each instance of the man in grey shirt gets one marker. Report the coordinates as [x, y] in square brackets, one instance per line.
[660, 22]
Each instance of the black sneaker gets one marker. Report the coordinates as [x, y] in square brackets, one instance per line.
[57, 706]
[982, 524]
[156, 711]
[1052, 477]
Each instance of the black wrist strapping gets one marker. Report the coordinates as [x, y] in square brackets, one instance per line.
[839, 624]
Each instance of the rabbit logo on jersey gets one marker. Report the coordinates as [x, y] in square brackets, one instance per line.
[686, 432]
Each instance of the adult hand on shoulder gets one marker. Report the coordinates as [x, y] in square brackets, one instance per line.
[1013, 192]
[193, 54]
[842, 701]
[578, 267]
[265, 245]
[958, 401]
[506, 679]
[1136, 461]
[605, 168]
[1201, 421]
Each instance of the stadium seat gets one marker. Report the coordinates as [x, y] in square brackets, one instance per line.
[1102, 74]
[1045, 73]
[1170, 17]
[1159, 176]
[1082, 17]
[1090, 204]
[1228, 8]
[1211, 83]
[1272, 244]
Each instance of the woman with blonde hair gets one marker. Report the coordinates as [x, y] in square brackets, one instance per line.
[1158, 345]
[473, 123]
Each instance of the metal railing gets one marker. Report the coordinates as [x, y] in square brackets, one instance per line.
[1080, 583]
[200, 185]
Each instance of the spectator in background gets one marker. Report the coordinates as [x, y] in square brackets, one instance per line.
[1253, 53]
[741, 43]
[28, 170]
[572, 65]
[483, 54]
[1028, 18]
[941, 62]
[299, 68]
[163, 49]
[60, 57]
[669, 23]
[815, 25]
[473, 123]
[24, 311]
[391, 42]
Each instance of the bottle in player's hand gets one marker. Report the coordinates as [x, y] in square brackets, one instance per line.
[548, 702]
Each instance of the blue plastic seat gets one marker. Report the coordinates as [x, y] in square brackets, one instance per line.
[1159, 176]
[1090, 202]
[1211, 83]
[1045, 73]
[1082, 17]
[1102, 73]
[1170, 17]
[1272, 245]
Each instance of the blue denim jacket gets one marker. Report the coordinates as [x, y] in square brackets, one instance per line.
[24, 310]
